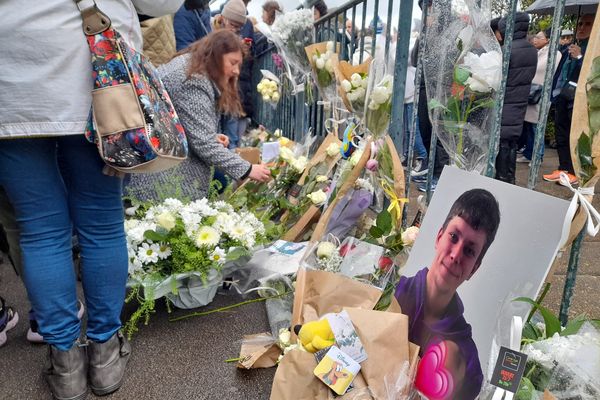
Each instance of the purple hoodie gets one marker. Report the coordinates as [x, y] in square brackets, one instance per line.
[411, 294]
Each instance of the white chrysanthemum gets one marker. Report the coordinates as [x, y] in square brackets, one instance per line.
[173, 205]
[207, 236]
[286, 154]
[135, 266]
[218, 255]
[201, 207]
[164, 251]
[148, 253]
[224, 222]
[222, 206]
[131, 224]
[131, 251]
[136, 235]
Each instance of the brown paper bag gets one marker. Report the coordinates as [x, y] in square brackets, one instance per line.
[548, 395]
[580, 124]
[321, 155]
[319, 292]
[294, 379]
[250, 154]
[346, 186]
[258, 351]
[295, 233]
[385, 338]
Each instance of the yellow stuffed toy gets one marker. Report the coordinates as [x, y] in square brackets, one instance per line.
[315, 335]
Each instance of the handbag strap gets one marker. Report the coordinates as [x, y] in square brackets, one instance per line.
[94, 20]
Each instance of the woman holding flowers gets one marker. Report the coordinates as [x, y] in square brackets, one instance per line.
[203, 83]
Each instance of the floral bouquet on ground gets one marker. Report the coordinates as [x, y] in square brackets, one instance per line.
[463, 70]
[291, 33]
[179, 250]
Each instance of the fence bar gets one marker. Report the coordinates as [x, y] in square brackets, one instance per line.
[496, 127]
[570, 278]
[540, 132]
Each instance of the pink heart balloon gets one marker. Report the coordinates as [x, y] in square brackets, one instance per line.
[433, 379]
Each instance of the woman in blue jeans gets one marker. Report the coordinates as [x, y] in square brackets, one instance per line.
[45, 98]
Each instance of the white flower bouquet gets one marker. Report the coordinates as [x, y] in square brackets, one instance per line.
[291, 33]
[379, 106]
[323, 59]
[355, 90]
[269, 88]
[463, 70]
[179, 250]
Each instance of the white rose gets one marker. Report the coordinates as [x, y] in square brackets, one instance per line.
[379, 95]
[260, 86]
[352, 96]
[333, 149]
[275, 97]
[321, 178]
[485, 69]
[300, 164]
[320, 63]
[356, 80]
[315, 57]
[410, 235]
[364, 83]
[166, 220]
[325, 249]
[346, 85]
[277, 133]
[286, 153]
[266, 97]
[319, 197]
[360, 93]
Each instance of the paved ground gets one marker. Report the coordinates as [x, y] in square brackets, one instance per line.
[185, 360]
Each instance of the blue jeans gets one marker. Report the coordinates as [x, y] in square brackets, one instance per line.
[48, 204]
[419, 148]
[529, 129]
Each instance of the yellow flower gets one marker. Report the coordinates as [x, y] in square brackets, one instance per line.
[166, 220]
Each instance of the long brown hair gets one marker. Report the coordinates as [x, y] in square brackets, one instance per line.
[272, 7]
[207, 59]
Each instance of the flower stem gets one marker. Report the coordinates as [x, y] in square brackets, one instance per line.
[231, 360]
[200, 314]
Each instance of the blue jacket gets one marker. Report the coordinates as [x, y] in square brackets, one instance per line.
[190, 26]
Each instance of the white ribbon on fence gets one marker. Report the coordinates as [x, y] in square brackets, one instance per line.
[579, 200]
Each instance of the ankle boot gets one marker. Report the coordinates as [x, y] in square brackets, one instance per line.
[107, 363]
[66, 372]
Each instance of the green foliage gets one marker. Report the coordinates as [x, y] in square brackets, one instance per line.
[551, 320]
[145, 309]
[384, 234]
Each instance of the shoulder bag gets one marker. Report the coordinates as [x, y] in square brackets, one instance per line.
[132, 120]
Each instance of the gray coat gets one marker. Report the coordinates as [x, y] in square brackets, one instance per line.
[195, 101]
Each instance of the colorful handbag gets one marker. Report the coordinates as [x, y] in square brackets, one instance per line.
[132, 120]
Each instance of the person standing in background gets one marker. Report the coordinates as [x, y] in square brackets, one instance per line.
[540, 42]
[564, 98]
[191, 23]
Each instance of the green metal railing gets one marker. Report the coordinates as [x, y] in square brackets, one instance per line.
[294, 115]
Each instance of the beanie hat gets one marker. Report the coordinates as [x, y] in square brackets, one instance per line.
[235, 10]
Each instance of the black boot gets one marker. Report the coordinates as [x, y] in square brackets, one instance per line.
[66, 372]
[107, 363]
[506, 161]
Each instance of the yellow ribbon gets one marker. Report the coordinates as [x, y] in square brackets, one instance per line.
[396, 202]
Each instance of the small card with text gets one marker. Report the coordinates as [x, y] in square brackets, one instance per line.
[337, 370]
[346, 337]
[509, 369]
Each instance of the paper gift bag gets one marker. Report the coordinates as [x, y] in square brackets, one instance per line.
[258, 351]
[319, 292]
[385, 338]
[294, 379]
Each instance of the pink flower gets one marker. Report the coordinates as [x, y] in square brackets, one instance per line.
[372, 165]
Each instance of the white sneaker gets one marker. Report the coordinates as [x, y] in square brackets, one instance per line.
[523, 159]
[8, 319]
[32, 333]
[420, 168]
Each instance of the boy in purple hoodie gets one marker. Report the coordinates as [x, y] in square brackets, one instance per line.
[429, 298]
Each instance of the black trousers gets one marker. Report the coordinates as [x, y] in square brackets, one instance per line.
[506, 160]
[562, 121]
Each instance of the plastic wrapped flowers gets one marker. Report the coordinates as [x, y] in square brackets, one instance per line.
[269, 90]
[179, 250]
[379, 108]
[324, 65]
[355, 90]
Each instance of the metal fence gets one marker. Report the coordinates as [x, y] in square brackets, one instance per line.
[294, 116]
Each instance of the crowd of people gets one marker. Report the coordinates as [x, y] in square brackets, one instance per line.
[54, 186]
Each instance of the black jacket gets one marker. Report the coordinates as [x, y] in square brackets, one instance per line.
[521, 70]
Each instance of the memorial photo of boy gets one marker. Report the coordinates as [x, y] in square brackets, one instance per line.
[430, 300]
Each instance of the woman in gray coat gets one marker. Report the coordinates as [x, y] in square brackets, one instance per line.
[203, 84]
